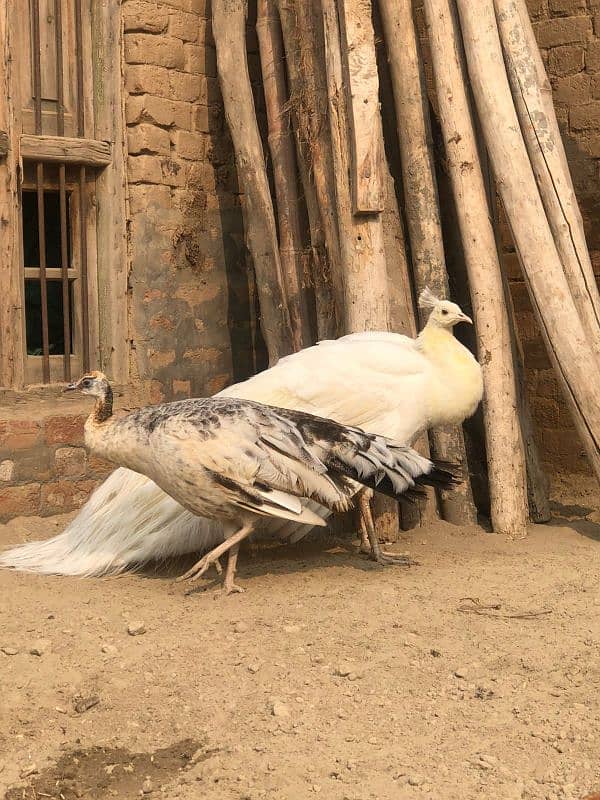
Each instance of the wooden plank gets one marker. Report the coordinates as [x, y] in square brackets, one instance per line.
[362, 98]
[62, 149]
[3, 143]
[12, 330]
[112, 264]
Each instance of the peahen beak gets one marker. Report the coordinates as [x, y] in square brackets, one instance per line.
[70, 388]
[465, 318]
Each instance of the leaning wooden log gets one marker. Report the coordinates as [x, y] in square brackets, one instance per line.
[506, 467]
[421, 207]
[229, 30]
[283, 158]
[364, 274]
[561, 327]
[546, 152]
[308, 102]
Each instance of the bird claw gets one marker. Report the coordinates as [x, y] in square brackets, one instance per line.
[387, 559]
[233, 588]
[199, 568]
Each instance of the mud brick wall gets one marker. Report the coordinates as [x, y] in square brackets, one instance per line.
[191, 301]
[44, 468]
[568, 34]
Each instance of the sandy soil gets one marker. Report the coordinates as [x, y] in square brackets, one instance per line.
[330, 676]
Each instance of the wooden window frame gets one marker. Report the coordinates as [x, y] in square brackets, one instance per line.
[101, 155]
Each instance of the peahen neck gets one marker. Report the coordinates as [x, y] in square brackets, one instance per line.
[104, 406]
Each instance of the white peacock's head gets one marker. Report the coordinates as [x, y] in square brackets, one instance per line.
[444, 313]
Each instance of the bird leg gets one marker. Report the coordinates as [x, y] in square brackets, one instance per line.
[367, 526]
[212, 557]
[229, 585]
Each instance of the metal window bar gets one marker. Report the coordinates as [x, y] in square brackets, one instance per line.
[64, 252]
[82, 188]
[37, 91]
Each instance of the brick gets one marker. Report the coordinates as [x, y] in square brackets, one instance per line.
[201, 119]
[175, 173]
[592, 57]
[181, 389]
[7, 470]
[201, 355]
[19, 434]
[184, 87]
[591, 145]
[67, 429]
[144, 17]
[156, 392]
[70, 462]
[159, 358]
[144, 169]
[18, 501]
[185, 26]
[572, 90]
[64, 495]
[200, 59]
[567, 30]
[566, 8]
[142, 198]
[595, 257]
[144, 78]
[566, 60]
[585, 117]
[597, 25]
[162, 51]
[537, 8]
[189, 145]
[134, 104]
[33, 465]
[147, 138]
[545, 412]
[167, 112]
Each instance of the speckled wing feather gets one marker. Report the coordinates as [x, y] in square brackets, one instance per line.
[218, 456]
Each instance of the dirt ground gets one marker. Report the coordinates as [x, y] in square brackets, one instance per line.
[473, 675]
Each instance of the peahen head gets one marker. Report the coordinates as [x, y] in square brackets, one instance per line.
[94, 383]
[444, 313]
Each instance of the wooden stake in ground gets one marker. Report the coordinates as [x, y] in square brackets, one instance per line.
[549, 291]
[421, 207]
[548, 159]
[506, 467]
[283, 157]
[229, 30]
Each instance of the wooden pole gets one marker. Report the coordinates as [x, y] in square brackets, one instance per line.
[546, 152]
[308, 100]
[549, 291]
[364, 274]
[281, 146]
[506, 467]
[421, 206]
[229, 30]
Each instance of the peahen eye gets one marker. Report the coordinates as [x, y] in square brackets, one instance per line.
[444, 312]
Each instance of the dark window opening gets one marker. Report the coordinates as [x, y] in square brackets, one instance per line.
[33, 317]
[31, 249]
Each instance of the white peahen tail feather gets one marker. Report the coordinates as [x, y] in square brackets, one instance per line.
[152, 526]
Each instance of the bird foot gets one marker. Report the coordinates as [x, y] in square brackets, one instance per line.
[386, 559]
[233, 588]
[199, 568]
